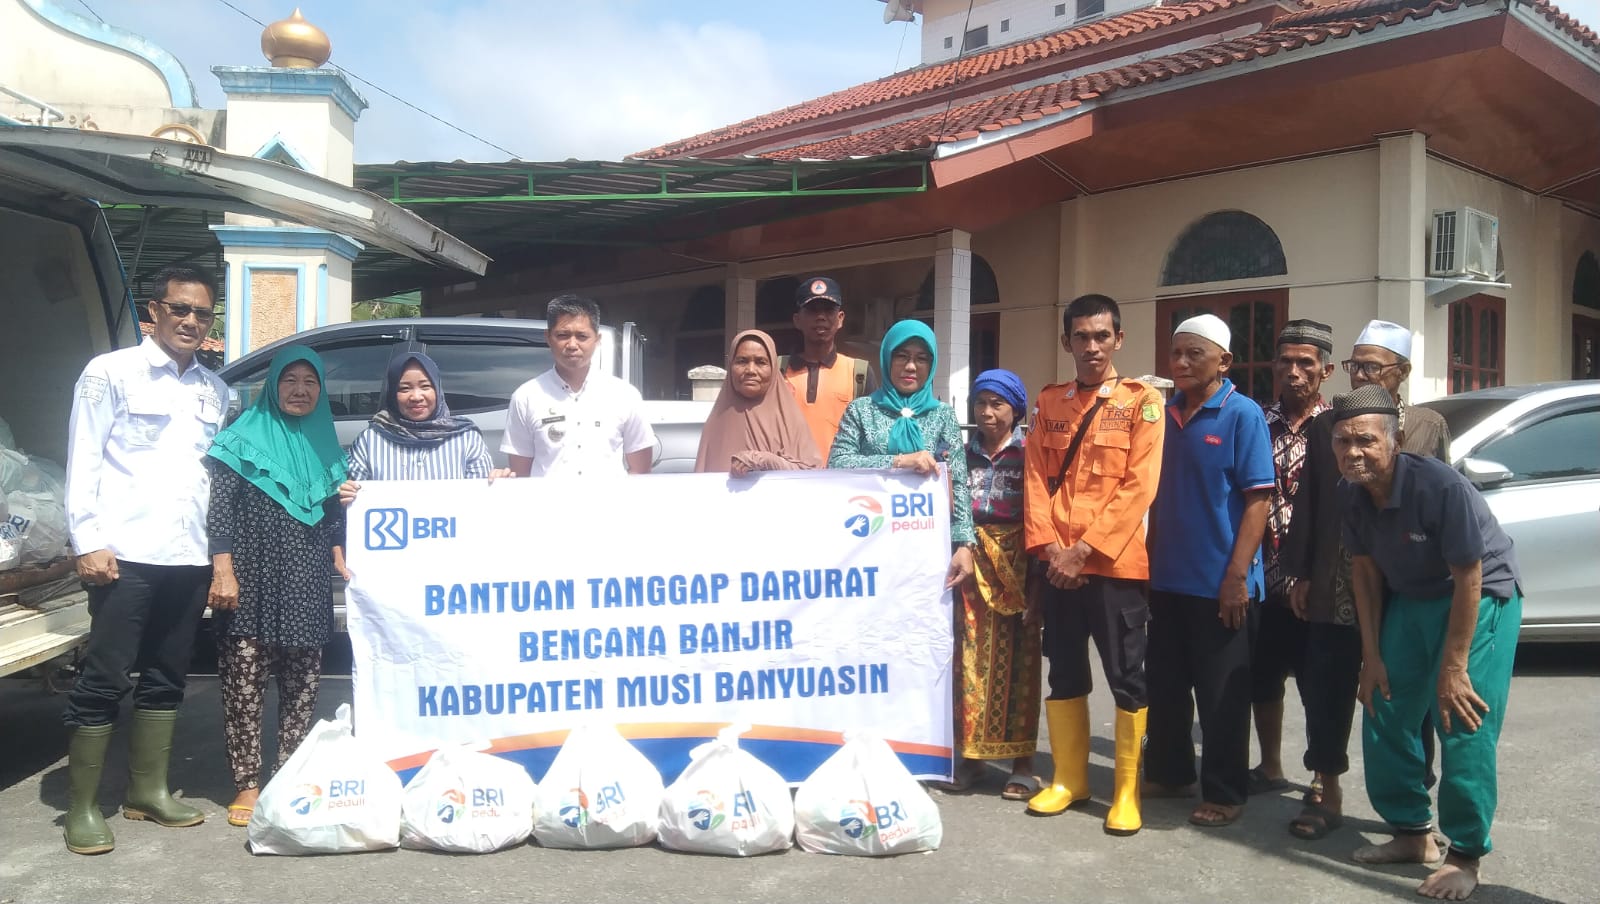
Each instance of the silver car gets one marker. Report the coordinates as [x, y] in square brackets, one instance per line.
[1534, 452]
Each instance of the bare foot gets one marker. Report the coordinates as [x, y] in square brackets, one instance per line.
[1400, 849]
[1156, 790]
[1455, 880]
[1214, 816]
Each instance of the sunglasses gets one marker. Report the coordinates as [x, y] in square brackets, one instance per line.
[182, 311]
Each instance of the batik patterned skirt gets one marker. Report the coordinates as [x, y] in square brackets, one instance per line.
[997, 693]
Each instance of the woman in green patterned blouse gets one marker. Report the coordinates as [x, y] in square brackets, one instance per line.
[902, 425]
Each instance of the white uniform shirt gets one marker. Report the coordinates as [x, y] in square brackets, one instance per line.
[578, 432]
[137, 482]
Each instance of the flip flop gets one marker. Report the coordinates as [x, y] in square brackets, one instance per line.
[240, 816]
[1314, 823]
[1028, 783]
[965, 775]
[1224, 820]
[1260, 784]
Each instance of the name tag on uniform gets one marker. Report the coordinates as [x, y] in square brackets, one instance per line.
[554, 419]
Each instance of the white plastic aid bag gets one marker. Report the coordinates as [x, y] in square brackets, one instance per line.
[863, 801]
[467, 802]
[727, 802]
[600, 792]
[333, 796]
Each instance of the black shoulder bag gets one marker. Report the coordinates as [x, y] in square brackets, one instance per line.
[1077, 440]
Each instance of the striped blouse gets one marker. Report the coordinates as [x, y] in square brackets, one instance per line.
[375, 456]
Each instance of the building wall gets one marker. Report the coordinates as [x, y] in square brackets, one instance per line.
[55, 65]
[1024, 255]
[943, 19]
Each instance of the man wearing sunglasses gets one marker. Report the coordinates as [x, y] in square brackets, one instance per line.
[1318, 568]
[137, 493]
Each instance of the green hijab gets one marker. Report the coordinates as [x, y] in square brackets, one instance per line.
[296, 461]
[906, 435]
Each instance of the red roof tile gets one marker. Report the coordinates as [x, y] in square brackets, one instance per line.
[932, 78]
[1288, 33]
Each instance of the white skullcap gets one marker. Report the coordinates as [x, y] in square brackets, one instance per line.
[1207, 326]
[1384, 334]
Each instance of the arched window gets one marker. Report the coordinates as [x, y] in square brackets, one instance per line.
[985, 288]
[1586, 282]
[1224, 245]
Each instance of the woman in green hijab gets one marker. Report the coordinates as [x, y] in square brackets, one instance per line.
[902, 425]
[276, 531]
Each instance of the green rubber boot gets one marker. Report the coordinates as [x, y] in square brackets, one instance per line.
[85, 828]
[149, 748]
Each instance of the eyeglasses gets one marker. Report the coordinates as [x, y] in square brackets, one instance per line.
[181, 311]
[1368, 369]
[901, 359]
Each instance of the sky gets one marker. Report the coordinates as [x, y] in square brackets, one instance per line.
[545, 79]
[556, 79]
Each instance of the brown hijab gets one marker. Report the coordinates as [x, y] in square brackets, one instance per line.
[769, 433]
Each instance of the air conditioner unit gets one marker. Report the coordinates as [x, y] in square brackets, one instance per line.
[1465, 244]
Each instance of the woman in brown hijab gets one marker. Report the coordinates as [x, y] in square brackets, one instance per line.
[755, 424]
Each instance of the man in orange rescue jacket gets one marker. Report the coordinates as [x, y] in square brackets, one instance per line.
[1092, 465]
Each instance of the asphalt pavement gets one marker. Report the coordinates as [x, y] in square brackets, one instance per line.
[1545, 833]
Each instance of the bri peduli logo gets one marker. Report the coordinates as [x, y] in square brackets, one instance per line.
[868, 516]
[858, 819]
[305, 798]
[706, 811]
[394, 528]
[451, 805]
[574, 809]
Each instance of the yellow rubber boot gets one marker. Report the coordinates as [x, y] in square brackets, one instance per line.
[1068, 721]
[1124, 818]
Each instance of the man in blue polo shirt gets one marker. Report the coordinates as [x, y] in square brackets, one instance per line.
[1442, 643]
[1210, 511]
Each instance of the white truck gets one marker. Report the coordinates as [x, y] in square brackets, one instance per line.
[64, 299]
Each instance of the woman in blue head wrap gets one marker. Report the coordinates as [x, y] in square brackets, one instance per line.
[901, 425]
[997, 681]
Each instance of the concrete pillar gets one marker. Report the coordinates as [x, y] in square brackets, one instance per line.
[952, 317]
[739, 303]
[284, 277]
[1547, 293]
[1402, 262]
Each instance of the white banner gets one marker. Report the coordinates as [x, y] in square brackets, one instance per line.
[806, 604]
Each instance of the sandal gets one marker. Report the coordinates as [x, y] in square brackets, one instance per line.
[963, 777]
[240, 816]
[1314, 822]
[1020, 787]
[1260, 784]
[1222, 815]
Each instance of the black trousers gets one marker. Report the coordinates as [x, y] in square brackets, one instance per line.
[1197, 663]
[1114, 612]
[1279, 651]
[143, 622]
[1328, 682]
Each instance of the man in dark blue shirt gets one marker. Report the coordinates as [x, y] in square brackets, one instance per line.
[1445, 645]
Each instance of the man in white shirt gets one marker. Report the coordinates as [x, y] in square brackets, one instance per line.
[571, 420]
[137, 492]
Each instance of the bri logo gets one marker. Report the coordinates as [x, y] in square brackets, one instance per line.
[393, 528]
[858, 819]
[705, 810]
[574, 810]
[306, 798]
[451, 805]
[868, 517]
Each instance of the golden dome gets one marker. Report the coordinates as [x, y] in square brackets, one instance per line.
[294, 43]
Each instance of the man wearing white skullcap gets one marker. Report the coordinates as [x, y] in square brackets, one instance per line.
[1382, 356]
[1205, 575]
